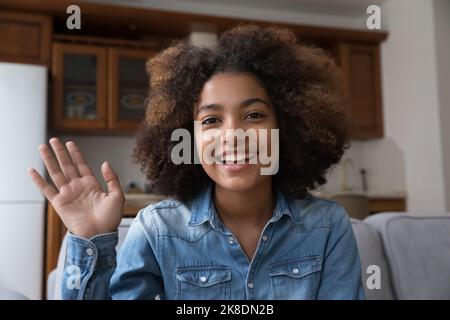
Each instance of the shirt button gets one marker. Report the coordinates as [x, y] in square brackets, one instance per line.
[89, 251]
[230, 239]
[265, 238]
[295, 270]
[202, 279]
[250, 285]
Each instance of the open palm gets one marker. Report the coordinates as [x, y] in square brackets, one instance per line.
[83, 206]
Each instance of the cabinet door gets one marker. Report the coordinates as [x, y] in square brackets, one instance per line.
[127, 88]
[79, 87]
[25, 38]
[361, 66]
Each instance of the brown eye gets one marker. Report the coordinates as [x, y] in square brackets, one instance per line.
[209, 121]
[255, 115]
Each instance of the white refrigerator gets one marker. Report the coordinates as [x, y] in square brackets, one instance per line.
[23, 114]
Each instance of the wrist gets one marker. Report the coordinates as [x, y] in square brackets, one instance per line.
[85, 233]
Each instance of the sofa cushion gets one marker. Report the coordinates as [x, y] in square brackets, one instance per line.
[8, 294]
[371, 253]
[418, 253]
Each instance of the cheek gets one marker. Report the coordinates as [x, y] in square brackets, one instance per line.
[213, 172]
[266, 137]
[207, 142]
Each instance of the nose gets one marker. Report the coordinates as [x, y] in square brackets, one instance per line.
[228, 130]
[233, 140]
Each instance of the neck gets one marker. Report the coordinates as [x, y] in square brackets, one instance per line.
[253, 207]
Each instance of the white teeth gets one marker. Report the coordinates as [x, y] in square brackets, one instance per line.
[232, 157]
[251, 156]
[235, 158]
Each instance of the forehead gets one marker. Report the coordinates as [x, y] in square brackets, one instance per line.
[229, 87]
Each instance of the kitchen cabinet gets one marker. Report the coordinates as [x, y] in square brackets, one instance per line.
[360, 63]
[79, 87]
[127, 87]
[25, 37]
[29, 38]
[98, 89]
[383, 204]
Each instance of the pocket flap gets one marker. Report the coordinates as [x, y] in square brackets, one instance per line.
[204, 276]
[296, 268]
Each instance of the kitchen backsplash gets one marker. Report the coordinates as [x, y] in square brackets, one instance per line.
[383, 162]
[117, 151]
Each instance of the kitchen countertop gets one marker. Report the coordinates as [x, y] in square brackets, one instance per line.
[136, 201]
[379, 200]
[370, 194]
[144, 199]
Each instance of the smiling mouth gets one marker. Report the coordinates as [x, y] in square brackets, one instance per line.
[236, 159]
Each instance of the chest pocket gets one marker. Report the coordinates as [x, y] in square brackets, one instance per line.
[295, 278]
[203, 283]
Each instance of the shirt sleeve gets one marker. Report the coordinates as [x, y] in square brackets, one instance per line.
[93, 270]
[341, 269]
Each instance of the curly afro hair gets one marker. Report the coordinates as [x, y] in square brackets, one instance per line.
[304, 84]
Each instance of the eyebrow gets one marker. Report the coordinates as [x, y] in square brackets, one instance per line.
[244, 104]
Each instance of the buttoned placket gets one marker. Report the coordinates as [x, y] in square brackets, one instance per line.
[260, 248]
[249, 266]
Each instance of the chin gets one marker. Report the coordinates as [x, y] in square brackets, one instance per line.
[236, 184]
[238, 181]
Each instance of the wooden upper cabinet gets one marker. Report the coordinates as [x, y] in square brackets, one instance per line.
[361, 66]
[98, 89]
[127, 87]
[25, 38]
[79, 87]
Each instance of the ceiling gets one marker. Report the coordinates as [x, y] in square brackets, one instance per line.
[346, 8]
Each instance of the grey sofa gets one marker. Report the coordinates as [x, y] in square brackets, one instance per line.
[402, 256]
[412, 252]
[8, 294]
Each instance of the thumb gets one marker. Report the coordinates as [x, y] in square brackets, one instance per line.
[111, 178]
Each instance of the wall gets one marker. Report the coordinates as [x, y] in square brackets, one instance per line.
[320, 13]
[416, 105]
[442, 25]
[410, 99]
[384, 162]
[116, 150]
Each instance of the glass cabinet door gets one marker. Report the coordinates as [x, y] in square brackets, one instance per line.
[79, 86]
[128, 87]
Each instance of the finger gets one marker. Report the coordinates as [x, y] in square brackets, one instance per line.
[48, 190]
[64, 159]
[78, 159]
[52, 166]
[111, 179]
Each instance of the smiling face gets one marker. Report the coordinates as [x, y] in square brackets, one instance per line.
[234, 101]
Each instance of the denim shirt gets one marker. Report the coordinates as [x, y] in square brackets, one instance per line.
[177, 250]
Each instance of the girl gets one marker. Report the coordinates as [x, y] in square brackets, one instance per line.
[227, 231]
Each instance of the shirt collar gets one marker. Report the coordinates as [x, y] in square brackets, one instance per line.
[203, 209]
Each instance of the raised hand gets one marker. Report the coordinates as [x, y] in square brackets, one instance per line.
[85, 209]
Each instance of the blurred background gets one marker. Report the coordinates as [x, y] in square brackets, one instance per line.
[78, 73]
